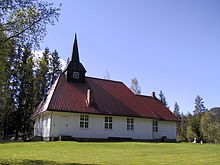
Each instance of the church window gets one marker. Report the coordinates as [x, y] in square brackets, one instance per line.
[155, 126]
[108, 122]
[130, 123]
[84, 121]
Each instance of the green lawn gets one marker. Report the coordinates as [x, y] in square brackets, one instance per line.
[64, 153]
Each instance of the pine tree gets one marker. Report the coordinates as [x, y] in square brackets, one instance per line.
[178, 125]
[199, 105]
[176, 109]
[48, 69]
[162, 99]
[195, 121]
[55, 66]
[23, 91]
[6, 102]
[135, 88]
[28, 96]
[42, 77]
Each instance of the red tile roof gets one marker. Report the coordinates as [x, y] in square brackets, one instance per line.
[111, 98]
[158, 108]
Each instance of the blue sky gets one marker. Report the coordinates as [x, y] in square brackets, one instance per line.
[168, 45]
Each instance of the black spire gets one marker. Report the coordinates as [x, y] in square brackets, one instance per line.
[75, 52]
[75, 71]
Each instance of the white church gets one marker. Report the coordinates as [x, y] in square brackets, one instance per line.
[79, 107]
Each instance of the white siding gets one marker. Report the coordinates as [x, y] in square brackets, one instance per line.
[68, 124]
[42, 125]
[37, 127]
[167, 129]
[54, 124]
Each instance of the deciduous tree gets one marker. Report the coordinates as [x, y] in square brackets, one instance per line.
[25, 21]
[135, 86]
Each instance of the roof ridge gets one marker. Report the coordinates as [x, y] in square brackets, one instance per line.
[102, 79]
[143, 95]
[150, 97]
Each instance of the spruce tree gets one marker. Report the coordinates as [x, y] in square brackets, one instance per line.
[24, 91]
[28, 94]
[162, 99]
[199, 105]
[48, 69]
[42, 77]
[196, 120]
[55, 66]
[6, 103]
[176, 109]
[178, 125]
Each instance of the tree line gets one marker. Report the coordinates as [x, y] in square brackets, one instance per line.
[24, 79]
[201, 125]
[26, 83]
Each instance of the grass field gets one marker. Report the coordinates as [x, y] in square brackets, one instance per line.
[77, 153]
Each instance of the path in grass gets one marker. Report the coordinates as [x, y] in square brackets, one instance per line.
[63, 153]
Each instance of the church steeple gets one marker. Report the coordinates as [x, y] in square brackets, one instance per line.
[75, 52]
[75, 71]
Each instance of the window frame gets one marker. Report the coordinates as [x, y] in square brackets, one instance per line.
[84, 121]
[155, 126]
[108, 123]
[130, 123]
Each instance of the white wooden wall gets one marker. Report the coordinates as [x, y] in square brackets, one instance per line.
[42, 125]
[37, 127]
[168, 129]
[68, 124]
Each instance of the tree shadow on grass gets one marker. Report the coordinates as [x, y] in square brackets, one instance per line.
[36, 162]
